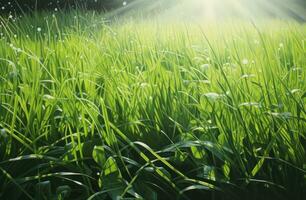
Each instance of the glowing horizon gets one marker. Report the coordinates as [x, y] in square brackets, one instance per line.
[220, 9]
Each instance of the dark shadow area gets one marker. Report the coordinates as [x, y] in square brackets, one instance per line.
[31, 5]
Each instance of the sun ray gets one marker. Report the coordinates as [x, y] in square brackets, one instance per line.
[210, 10]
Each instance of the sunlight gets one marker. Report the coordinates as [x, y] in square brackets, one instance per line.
[209, 10]
[212, 10]
[244, 9]
[152, 99]
[208, 7]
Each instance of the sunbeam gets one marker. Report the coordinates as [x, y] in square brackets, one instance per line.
[211, 10]
[152, 99]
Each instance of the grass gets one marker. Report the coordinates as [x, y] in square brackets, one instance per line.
[148, 109]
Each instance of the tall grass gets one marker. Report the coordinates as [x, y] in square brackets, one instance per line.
[145, 109]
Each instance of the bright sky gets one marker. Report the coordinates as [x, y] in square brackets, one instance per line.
[223, 9]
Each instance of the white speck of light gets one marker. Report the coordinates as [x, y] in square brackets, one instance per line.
[38, 29]
[3, 133]
[204, 66]
[124, 3]
[245, 61]
[213, 96]
[143, 85]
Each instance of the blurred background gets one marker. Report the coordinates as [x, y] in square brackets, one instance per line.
[194, 9]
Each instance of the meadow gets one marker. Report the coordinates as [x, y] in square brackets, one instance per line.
[92, 108]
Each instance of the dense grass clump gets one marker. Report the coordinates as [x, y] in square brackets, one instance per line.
[151, 110]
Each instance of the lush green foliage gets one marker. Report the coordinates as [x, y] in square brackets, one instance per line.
[150, 109]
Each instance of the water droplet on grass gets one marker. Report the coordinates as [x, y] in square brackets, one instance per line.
[3, 132]
[48, 97]
[204, 67]
[245, 61]
[143, 85]
[213, 96]
[245, 76]
[284, 115]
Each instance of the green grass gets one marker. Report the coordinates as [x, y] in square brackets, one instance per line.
[150, 109]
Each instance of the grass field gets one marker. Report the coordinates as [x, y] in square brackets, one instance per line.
[149, 109]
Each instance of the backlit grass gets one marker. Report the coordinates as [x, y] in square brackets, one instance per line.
[148, 109]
